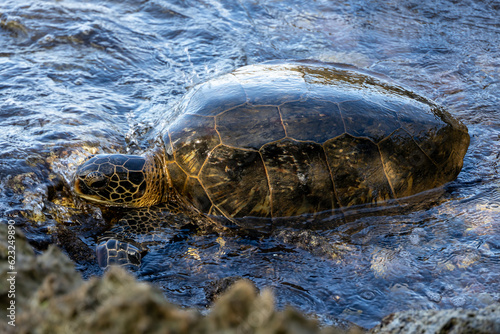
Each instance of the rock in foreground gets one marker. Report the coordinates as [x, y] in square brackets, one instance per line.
[51, 297]
[456, 321]
[54, 299]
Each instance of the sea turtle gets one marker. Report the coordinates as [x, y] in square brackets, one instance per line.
[281, 139]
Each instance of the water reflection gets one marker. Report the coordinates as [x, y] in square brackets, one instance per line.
[101, 77]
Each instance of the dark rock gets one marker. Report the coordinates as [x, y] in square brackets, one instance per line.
[217, 287]
[77, 250]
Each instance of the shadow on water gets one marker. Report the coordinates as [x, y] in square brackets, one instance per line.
[79, 78]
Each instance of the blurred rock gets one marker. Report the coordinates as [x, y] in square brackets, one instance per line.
[455, 321]
[52, 268]
[51, 297]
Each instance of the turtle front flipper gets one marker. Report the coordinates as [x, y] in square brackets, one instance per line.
[120, 253]
[140, 230]
[132, 235]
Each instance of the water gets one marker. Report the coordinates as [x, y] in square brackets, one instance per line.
[82, 77]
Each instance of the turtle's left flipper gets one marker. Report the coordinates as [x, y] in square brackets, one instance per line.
[141, 229]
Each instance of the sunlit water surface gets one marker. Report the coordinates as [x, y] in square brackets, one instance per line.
[80, 77]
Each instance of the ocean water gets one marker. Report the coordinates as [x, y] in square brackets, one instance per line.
[84, 77]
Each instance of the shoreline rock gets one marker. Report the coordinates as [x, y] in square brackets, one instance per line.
[52, 297]
[452, 321]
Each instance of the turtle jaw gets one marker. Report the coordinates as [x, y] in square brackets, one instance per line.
[81, 190]
[96, 200]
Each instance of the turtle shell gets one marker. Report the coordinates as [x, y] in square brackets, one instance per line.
[287, 139]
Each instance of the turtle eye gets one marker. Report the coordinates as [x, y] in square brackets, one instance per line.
[88, 158]
[96, 180]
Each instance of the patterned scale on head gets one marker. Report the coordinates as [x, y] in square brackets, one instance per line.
[120, 180]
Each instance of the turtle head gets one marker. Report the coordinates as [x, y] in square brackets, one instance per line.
[120, 180]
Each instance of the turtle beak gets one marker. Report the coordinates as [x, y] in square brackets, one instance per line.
[78, 186]
[81, 189]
